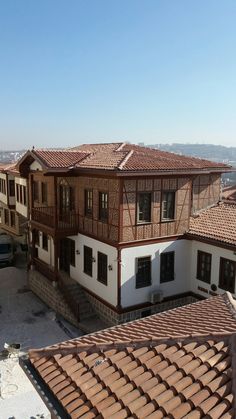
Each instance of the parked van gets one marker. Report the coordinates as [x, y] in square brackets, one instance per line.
[6, 250]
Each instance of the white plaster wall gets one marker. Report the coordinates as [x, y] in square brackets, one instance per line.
[20, 208]
[132, 296]
[44, 255]
[217, 253]
[3, 198]
[106, 292]
[35, 166]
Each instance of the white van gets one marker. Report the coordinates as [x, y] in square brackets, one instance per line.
[6, 250]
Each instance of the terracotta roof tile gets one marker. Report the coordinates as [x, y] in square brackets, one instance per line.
[59, 158]
[148, 375]
[217, 223]
[123, 157]
[229, 193]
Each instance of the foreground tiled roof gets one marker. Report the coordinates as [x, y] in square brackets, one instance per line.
[122, 157]
[158, 378]
[149, 368]
[218, 223]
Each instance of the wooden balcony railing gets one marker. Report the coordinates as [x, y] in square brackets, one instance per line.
[47, 216]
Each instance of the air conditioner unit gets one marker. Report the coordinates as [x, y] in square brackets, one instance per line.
[156, 297]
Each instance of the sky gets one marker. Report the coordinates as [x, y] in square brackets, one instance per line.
[83, 71]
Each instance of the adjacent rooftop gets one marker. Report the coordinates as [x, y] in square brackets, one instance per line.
[216, 223]
[176, 364]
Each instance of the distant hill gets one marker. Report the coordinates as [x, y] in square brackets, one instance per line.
[207, 151]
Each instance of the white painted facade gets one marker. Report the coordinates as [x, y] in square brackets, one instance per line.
[3, 197]
[132, 296]
[106, 292]
[216, 252]
[46, 256]
[20, 208]
[35, 166]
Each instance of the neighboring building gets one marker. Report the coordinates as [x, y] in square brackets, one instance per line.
[114, 218]
[229, 193]
[13, 201]
[177, 364]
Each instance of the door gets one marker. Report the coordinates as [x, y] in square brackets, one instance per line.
[65, 251]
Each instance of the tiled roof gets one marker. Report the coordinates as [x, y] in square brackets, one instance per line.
[59, 158]
[123, 157]
[149, 368]
[8, 167]
[218, 223]
[180, 378]
[229, 193]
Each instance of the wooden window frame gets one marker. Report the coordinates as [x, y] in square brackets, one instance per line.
[12, 219]
[224, 282]
[88, 202]
[44, 192]
[88, 261]
[103, 206]
[164, 202]
[140, 219]
[102, 268]
[11, 187]
[167, 274]
[35, 191]
[204, 260]
[139, 275]
[44, 245]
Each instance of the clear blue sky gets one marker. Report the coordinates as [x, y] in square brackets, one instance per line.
[148, 71]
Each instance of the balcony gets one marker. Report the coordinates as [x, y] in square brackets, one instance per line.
[64, 224]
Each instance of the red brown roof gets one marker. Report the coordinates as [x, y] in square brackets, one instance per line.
[149, 368]
[59, 158]
[217, 223]
[121, 157]
[229, 193]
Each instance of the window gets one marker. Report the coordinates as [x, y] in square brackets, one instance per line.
[227, 275]
[44, 192]
[102, 268]
[168, 205]
[88, 202]
[72, 252]
[36, 237]
[144, 207]
[204, 266]
[18, 193]
[167, 267]
[11, 188]
[103, 206]
[88, 260]
[143, 272]
[35, 191]
[3, 186]
[6, 216]
[13, 218]
[45, 241]
[21, 194]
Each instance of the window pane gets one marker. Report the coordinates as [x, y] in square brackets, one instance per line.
[144, 207]
[168, 205]
[102, 268]
[227, 275]
[167, 267]
[88, 263]
[143, 272]
[204, 266]
[103, 206]
[88, 202]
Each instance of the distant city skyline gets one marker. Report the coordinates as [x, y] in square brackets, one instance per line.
[100, 71]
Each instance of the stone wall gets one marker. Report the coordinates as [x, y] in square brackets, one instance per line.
[52, 296]
[112, 318]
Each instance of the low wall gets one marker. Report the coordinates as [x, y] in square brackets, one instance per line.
[51, 295]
